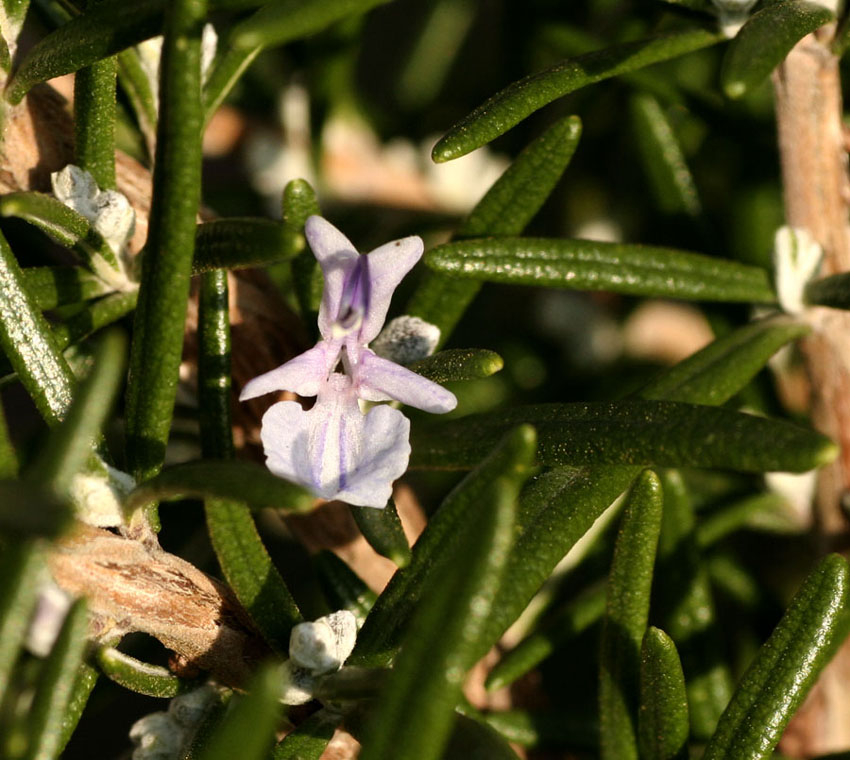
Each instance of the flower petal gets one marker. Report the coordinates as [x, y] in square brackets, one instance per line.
[383, 457]
[285, 434]
[337, 257]
[302, 375]
[381, 380]
[387, 267]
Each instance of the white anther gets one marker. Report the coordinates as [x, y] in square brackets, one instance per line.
[406, 339]
[796, 259]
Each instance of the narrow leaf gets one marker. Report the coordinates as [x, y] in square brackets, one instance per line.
[309, 740]
[831, 291]
[596, 265]
[572, 619]
[94, 119]
[99, 313]
[787, 666]
[225, 72]
[138, 676]
[56, 686]
[414, 712]
[629, 587]
[299, 202]
[382, 529]
[342, 587]
[471, 739]
[458, 364]
[49, 287]
[100, 32]
[663, 723]
[663, 160]
[21, 563]
[522, 98]
[764, 511]
[282, 21]
[240, 243]
[240, 551]
[247, 732]
[156, 351]
[764, 41]
[506, 209]
[28, 342]
[86, 680]
[8, 455]
[543, 729]
[137, 87]
[28, 509]
[380, 634]
[632, 432]
[241, 481]
[684, 602]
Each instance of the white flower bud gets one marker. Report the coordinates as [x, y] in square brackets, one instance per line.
[406, 339]
[98, 494]
[188, 709]
[323, 645]
[796, 259]
[47, 618]
[156, 736]
[732, 15]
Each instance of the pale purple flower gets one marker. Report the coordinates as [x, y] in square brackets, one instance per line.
[334, 449]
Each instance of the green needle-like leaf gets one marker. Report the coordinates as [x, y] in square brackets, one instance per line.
[49, 287]
[684, 601]
[663, 160]
[13, 13]
[99, 313]
[8, 454]
[629, 587]
[309, 740]
[28, 342]
[242, 481]
[298, 203]
[248, 730]
[472, 739]
[241, 243]
[28, 509]
[786, 667]
[831, 291]
[522, 98]
[86, 680]
[157, 345]
[594, 265]
[764, 41]
[391, 613]
[225, 72]
[241, 554]
[458, 364]
[21, 563]
[71, 442]
[663, 718]
[282, 21]
[765, 511]
[138, 676]
[64, 224]
[541, 729]
[56, 686]
[137, 87]
[414, 712]
[567, 623]
[632, 432]
[382, 529]
[342, 587]
[506, 209]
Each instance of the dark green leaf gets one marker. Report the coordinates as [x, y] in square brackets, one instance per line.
[28, 509]
[247, 732]
[458, 364]
[474, 740]
[594, 265]
[50, 287]
[342, 587]
[382, 529]
[21, 563]
[565, 624]
[684, 601]
[414, 712]
[8, 455]
[56, 686]
[506, 209]
[137, 87]
[86, 679]
[765, 511]
[225, 72]
[240, 481]
[831, 291]
[553, 727]
[138, 676]
[663, 719]
[522, 98]
[282, 21]
[298, 203]
[240, 243]
[670, 434]
[29, 344]
[624, 624]
[663, 160]
[156, 351]
[309, 740]
[786, 666]
[764, 41]
[98, 33]
[94, 119]
[99, 313]
[381, 632]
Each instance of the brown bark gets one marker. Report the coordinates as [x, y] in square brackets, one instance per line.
[812, 147]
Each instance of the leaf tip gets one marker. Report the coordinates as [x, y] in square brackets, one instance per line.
[446, 149]
[735, 89]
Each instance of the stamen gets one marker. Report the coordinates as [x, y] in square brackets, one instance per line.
[355, 296]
